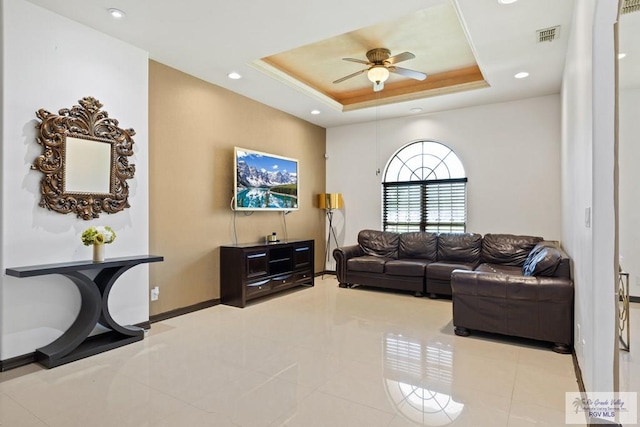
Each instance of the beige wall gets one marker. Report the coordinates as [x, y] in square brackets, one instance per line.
[193, 128]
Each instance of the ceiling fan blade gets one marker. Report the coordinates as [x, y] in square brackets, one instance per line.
[351, 75]
[400, 57]
[359, 61]
[408, 73]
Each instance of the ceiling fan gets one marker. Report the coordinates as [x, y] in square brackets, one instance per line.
[380, 63]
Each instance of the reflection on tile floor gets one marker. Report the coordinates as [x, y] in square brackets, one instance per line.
[629, 368]
[321, 356]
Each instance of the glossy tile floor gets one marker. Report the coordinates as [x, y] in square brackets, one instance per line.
[629, 368]
[321, 356]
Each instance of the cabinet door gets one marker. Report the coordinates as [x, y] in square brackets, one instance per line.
[302, 256]
[257, 264]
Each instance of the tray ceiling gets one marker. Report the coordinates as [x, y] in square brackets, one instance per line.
[434, 35]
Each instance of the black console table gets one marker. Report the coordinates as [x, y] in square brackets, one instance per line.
[75, 342]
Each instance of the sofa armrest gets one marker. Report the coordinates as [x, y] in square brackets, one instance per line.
[342, 255]
[512, 287]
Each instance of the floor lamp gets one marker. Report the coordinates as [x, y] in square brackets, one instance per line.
[329, 202]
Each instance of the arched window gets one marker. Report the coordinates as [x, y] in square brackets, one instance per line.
[424, 188]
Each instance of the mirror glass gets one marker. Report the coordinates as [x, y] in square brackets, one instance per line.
[87, 167]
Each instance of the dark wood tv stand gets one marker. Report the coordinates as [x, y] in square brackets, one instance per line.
[254, 270]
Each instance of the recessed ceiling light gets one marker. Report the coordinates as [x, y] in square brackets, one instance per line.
[116, 13]
[415, 110]
[507, 1]
[521, 75]
[315, 112]
[234, 76]
[621, 55]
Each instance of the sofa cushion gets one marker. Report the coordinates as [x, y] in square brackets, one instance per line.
[379, 243]
[442, 270]
[368, 263]
[459, 247]
[542, 261]
[406, 267]
[499, 269]
[507, 249]
[418, 244]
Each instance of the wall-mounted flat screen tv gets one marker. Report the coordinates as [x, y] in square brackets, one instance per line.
[265, 181]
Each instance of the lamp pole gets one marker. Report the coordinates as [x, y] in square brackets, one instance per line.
[329, 202]
[332, 232]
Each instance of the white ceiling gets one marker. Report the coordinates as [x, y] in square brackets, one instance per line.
[210, 38]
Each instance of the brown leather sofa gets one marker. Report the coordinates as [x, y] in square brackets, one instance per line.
[534, 300]
[500, 283]
[422, 262]
[387, 260]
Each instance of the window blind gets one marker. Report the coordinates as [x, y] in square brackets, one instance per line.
[432, 205]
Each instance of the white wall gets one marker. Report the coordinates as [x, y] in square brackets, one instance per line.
[51, 62]
[510, 151]
[629, 193]
[1, 163]
[588, 97]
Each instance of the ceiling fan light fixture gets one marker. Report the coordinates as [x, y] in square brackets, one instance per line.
[378, 86]
[378, 74]
[381, 64]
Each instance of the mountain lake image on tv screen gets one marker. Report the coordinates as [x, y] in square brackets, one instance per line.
[266, 182]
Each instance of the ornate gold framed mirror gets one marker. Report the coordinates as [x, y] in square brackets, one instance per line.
[84, 160]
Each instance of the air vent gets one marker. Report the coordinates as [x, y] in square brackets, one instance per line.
[548, 34]
[629, 6]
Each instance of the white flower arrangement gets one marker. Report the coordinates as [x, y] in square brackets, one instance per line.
[98, 235]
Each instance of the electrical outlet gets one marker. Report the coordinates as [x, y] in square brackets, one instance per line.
[155, 293]
[579, 338]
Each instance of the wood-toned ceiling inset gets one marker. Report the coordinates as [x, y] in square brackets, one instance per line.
[434, 35]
